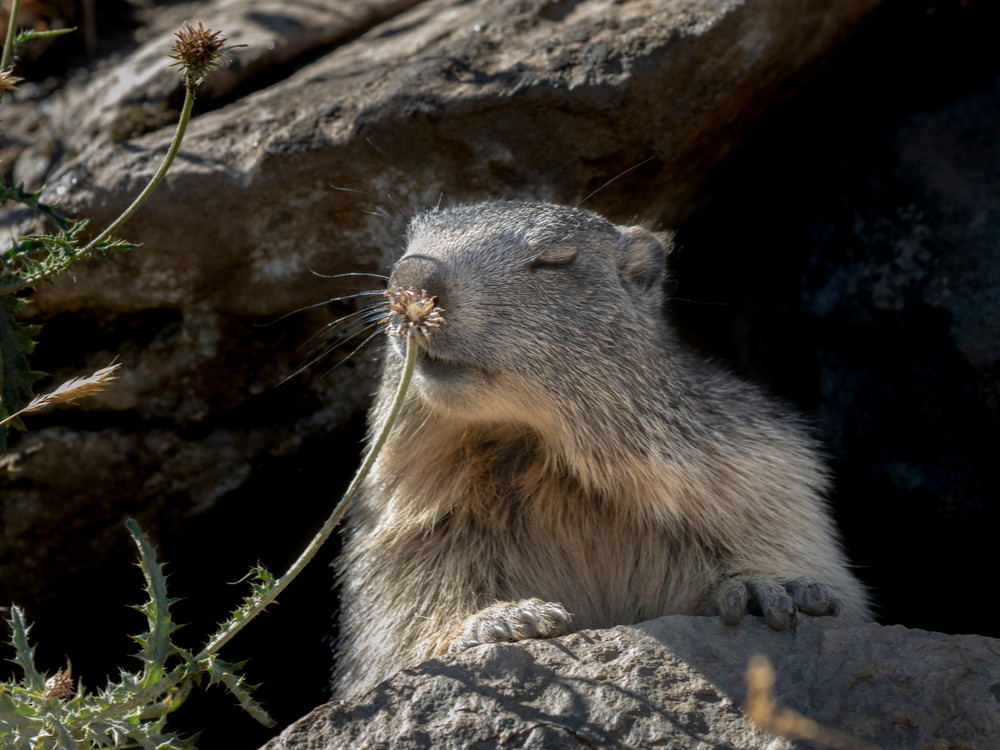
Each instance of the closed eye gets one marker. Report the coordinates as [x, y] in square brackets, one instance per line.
[553, 257]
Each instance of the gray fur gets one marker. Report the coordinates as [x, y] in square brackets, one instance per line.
[559, 444]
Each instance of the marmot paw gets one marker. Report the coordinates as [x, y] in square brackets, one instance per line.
[512, 621]
[779, 600]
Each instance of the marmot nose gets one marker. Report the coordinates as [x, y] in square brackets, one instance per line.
[418, 273]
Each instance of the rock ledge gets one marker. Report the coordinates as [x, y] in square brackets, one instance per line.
[678, 682]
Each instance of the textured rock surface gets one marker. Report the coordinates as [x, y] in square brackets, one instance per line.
[455, 98]
[467, 99]
[677, 682]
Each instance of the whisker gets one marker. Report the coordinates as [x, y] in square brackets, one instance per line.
[402, 214]
[326, 351]
[358, 327]
[335, 327]
[348, 275]
[378, 331]
[699, 302]
[384, 154]
[351, 190]
[315, 305]
[621, 174]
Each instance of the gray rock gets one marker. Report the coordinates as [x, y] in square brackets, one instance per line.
[678, 682]
[523, 98]
[463, 99]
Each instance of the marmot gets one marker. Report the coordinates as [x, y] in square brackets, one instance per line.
[562, 461]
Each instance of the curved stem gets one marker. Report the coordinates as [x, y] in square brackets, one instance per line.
[175, 145]
[8, 45]
[335, 517]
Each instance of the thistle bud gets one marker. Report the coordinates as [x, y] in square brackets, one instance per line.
[59, 685]
[199, 50]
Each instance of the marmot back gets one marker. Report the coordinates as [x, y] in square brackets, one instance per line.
[563, 462]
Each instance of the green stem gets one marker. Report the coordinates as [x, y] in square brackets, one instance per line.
[141, 698]
[331, 523]
[178, 675]
[8, 45]
[175, 144]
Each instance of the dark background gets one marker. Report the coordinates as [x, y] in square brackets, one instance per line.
[807, 270]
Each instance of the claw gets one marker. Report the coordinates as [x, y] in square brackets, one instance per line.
[501, 632]
[779, 601]
[528, 616]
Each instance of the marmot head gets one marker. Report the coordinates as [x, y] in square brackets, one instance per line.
[543, 303]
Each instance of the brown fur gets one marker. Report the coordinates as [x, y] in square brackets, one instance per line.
[558, 442]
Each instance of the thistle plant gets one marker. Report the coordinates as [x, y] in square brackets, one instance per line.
[415, 318]
[412, 314]
[198, 51]
[35, 258]
[8, 81]
[41, 712]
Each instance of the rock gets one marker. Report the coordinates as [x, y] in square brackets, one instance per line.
[677, 682]
[435, 101]
[468, 99]
[145, 90]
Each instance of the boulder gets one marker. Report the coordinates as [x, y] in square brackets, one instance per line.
[678, 682]
[360, 117]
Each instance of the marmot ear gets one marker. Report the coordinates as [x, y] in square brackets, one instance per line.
[643, 262]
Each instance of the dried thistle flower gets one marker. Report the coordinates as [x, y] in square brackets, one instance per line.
[8, 81]
[412, 314]
[198, 51]
[71, 390]
[59, 685]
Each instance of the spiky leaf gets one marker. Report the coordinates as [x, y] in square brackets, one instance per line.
[156, 646]
[35, 258]
[33, 201]
[16, 713]
[226, 673]
[24, 653]
[262, 581]
[64, 740]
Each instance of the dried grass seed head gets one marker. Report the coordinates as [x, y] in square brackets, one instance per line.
[75, 388]
[71, 390]
[412, 314]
